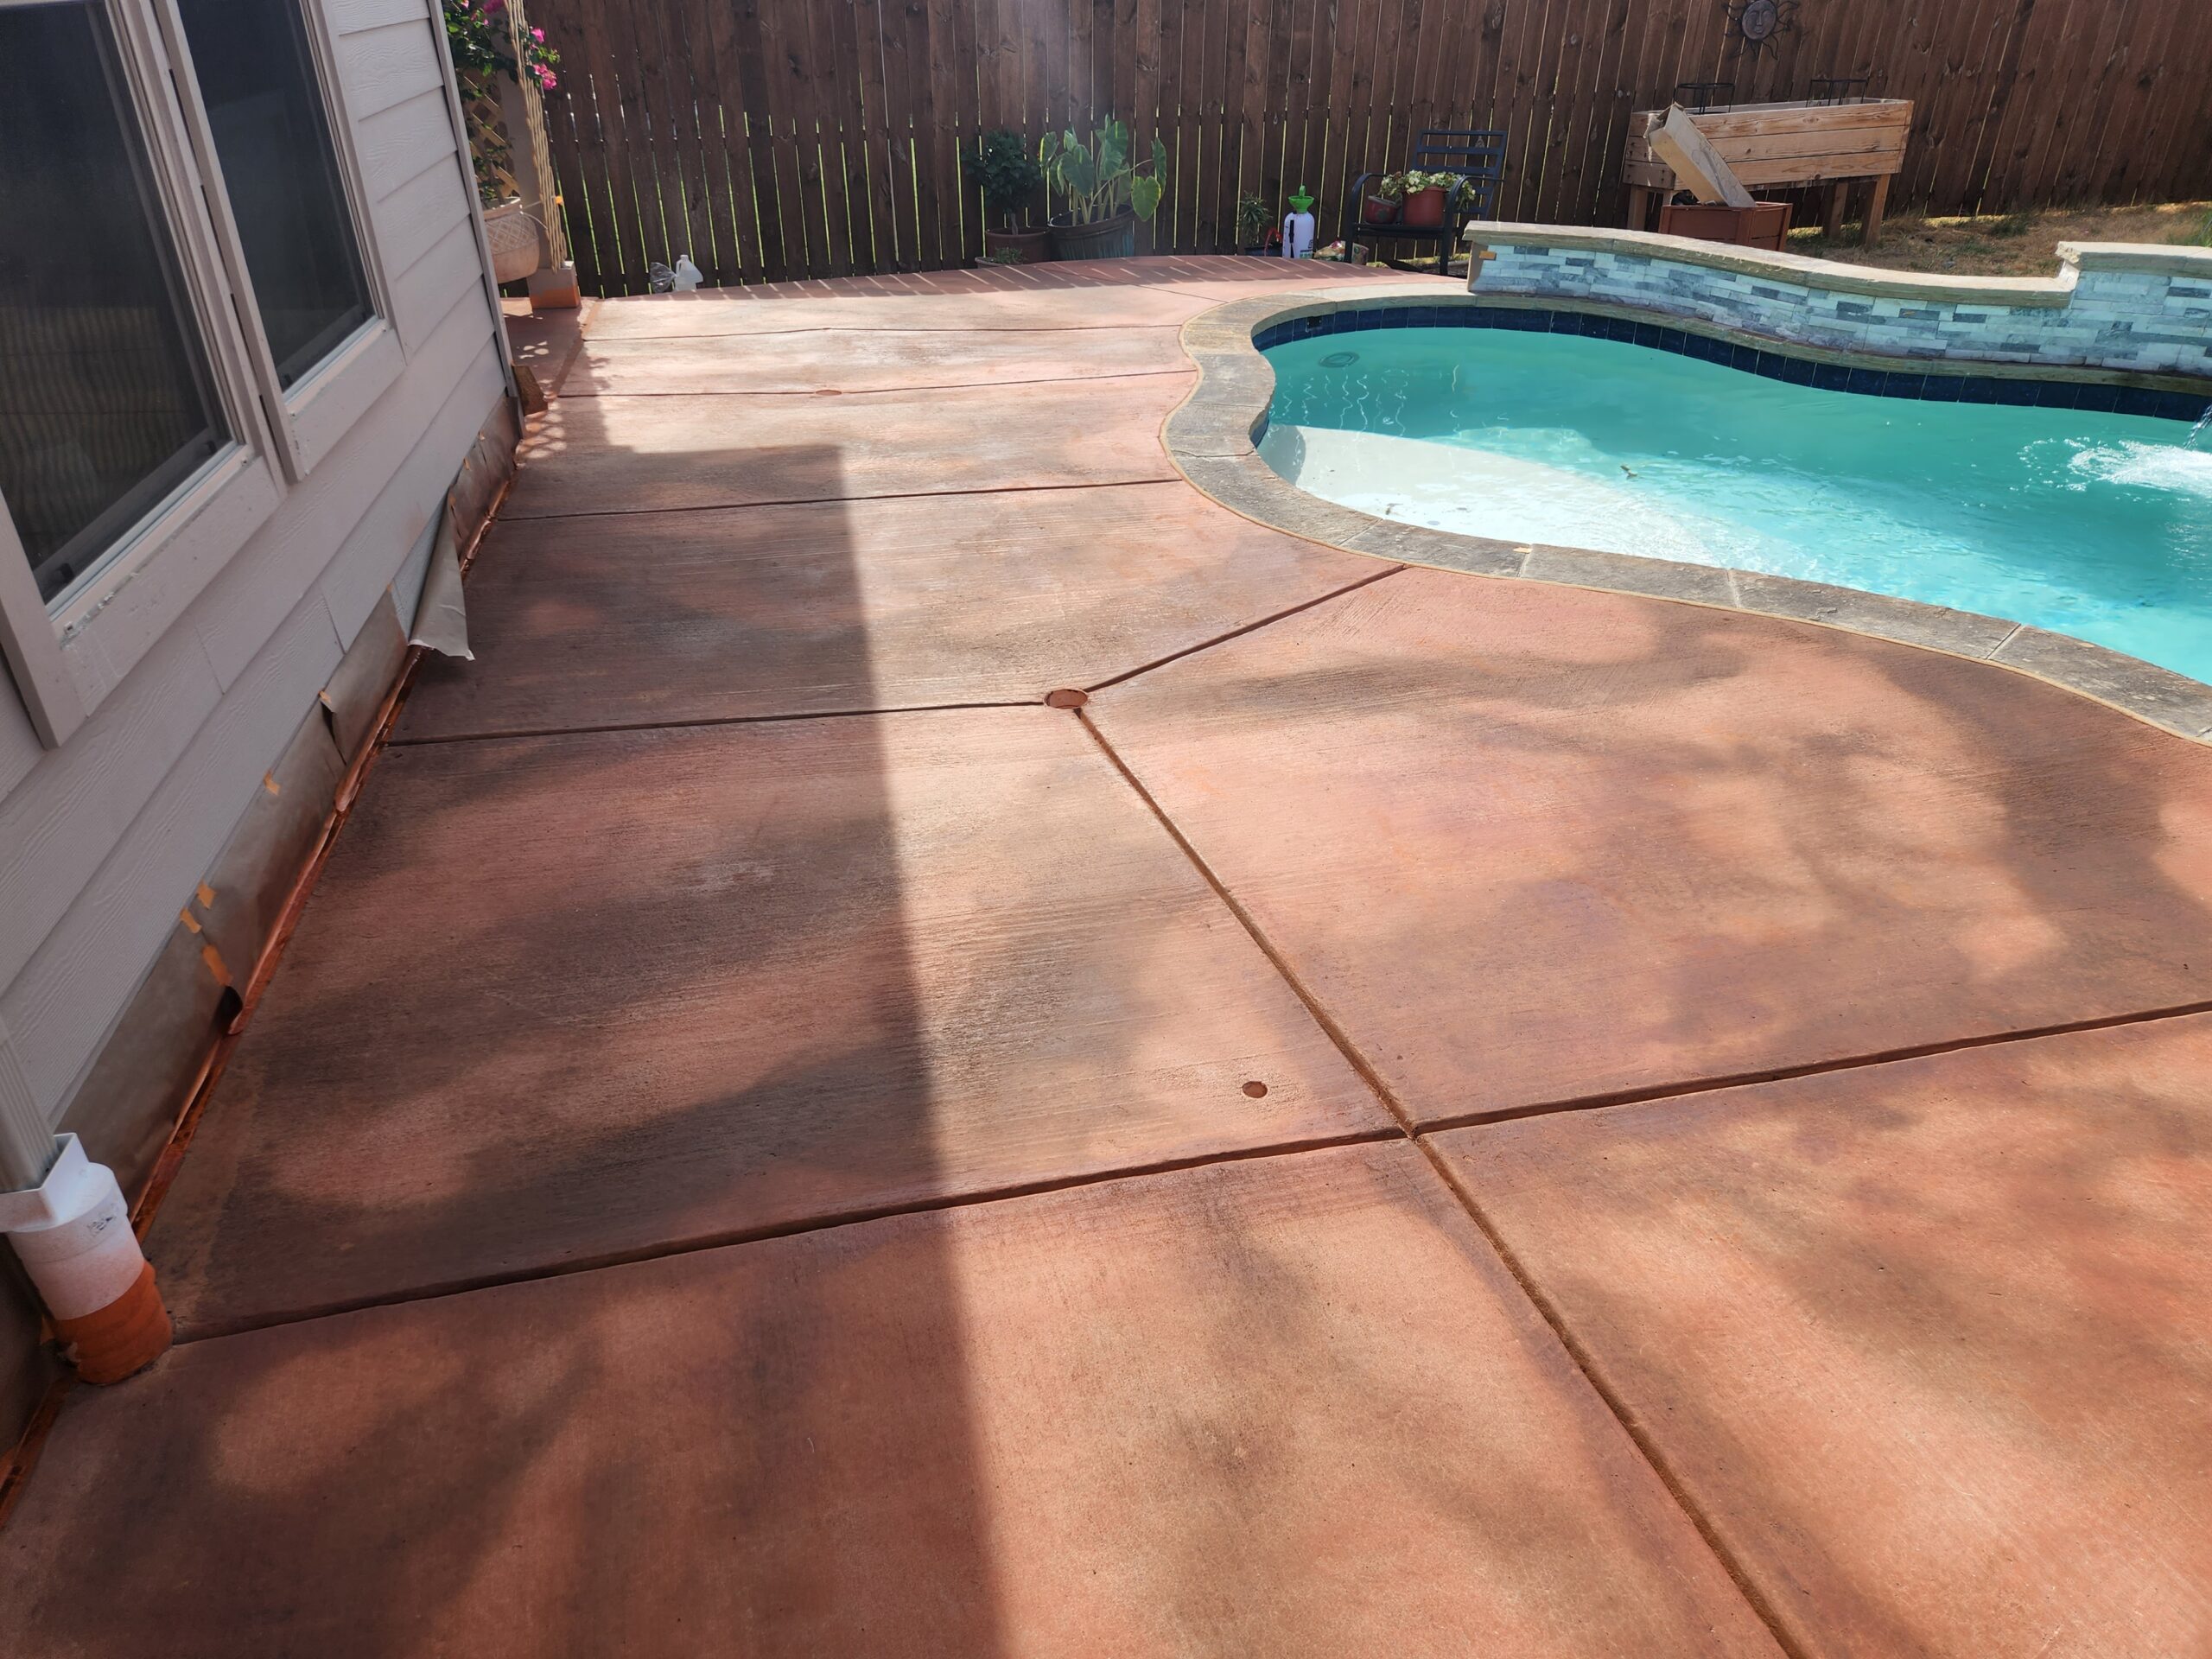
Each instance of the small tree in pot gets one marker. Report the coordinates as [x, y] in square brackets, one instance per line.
[1002, 167]
[1254, 219]
[1106, 192]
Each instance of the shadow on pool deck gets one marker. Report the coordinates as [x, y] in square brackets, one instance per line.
[741, 1170]
[355, 1509]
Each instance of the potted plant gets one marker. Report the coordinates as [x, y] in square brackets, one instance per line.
[1380, 204]
[1002, 167]
[486, 42]
[1254, 219]
[1105, 191]
[1425, 194]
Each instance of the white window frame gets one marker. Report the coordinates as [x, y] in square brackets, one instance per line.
[66, 657]
[314, 414]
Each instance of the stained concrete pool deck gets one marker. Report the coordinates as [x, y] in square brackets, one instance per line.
[1425, 1113]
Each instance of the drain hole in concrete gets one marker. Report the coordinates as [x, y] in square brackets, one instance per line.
[1256, 1089]
[1065, 699]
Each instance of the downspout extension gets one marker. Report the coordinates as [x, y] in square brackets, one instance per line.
[72, 1234]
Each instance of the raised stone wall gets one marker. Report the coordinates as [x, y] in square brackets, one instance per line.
[2140, 310]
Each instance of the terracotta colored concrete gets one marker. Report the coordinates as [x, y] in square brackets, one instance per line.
[873, 359]
[567, 999]
[547, 343]
[738, 316]
[1926, 1342]
[667, 616]
[1532, 844]
[1289, 1407]
[1918, 1342]
[627, 455]
[1094, 293]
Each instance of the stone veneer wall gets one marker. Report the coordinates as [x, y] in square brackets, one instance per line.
[2141, 310]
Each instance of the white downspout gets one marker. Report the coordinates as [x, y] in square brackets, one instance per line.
[71, 1228]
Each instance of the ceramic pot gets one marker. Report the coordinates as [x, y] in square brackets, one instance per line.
[1028, 247]
[517, 244]
[1424, 209]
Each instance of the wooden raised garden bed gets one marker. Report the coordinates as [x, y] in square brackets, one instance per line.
[1782, 144]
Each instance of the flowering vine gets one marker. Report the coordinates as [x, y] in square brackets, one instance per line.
[483, 41]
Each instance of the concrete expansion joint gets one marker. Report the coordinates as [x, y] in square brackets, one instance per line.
[1409, 1130]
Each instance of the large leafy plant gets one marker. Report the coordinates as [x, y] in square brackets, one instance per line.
[1097, 177]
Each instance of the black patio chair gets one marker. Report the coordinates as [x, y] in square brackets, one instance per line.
[1477, 157]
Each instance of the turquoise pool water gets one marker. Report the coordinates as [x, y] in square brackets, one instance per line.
[2097, 525]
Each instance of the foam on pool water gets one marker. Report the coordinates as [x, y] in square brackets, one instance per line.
[2097, 525]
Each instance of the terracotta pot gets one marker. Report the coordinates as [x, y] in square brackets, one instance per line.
[516, 242]
[1028, 247]
[1109, 238]
[1424, 209]
[1376, 211]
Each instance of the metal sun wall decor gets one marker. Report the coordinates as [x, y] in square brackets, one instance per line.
[1759, 22]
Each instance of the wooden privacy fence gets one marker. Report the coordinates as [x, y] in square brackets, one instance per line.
[776, 139]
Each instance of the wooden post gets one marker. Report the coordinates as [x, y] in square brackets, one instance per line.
[1639, 208]
[1839, 194]
[1875, 200]
[1677, 142]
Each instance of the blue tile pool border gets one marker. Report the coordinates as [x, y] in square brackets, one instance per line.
[1212, 438]
[1927, 385]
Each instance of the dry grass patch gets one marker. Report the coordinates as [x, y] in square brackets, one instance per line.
[2009, 244]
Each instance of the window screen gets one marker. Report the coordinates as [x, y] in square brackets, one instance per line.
[264, 107]
[106, 404]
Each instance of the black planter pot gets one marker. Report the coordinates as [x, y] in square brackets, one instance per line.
[1109, 238]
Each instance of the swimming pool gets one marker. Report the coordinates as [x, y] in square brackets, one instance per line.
[2096, 524]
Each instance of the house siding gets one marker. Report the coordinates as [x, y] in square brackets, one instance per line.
[104, 841]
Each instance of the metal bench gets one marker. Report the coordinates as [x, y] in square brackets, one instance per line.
[1477, 156]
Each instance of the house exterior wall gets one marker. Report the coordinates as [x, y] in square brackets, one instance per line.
[106, 840]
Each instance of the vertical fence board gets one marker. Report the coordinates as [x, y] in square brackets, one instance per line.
[1180, 26]
[1146, 119]
[1582, 171]
[715, 226]
[788, 139]
[787, 30]
[2186, 115]
[2133, 154]
[826, 101]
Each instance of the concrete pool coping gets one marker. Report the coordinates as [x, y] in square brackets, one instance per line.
[1209, 438]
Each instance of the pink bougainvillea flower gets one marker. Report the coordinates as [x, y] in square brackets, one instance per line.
[546, 78]
[538, 34]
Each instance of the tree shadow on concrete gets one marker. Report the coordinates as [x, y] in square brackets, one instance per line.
[1940, 1311]
[1670, 844]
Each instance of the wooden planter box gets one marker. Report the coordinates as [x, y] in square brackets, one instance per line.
[1783, 144]
[1762, 224]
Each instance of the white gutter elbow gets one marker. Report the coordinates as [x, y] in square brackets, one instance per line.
[72, 1234]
